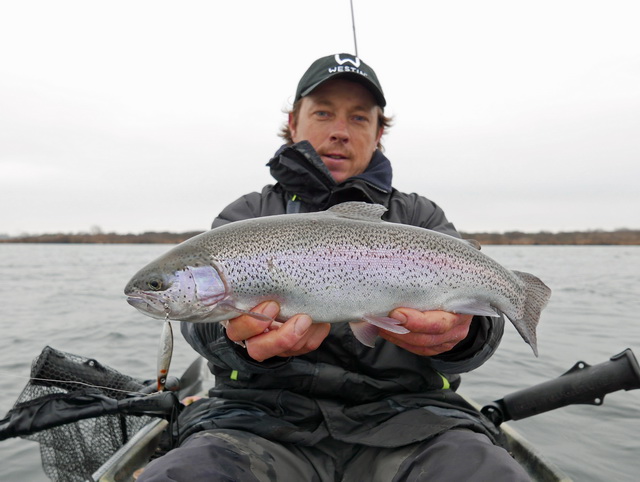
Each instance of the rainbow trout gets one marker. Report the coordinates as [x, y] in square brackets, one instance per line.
[340, 265]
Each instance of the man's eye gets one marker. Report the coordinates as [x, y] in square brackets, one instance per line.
[322, 113]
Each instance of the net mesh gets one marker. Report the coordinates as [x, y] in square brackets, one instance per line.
[73, 452]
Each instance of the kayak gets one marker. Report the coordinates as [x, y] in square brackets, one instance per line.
[110, 428]
[528, 456]
[134, 455]
[140, 449]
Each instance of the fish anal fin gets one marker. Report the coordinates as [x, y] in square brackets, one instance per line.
[471, 307]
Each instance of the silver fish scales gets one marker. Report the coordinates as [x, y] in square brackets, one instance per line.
[341, 265]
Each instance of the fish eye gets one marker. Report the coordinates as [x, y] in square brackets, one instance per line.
[155, 284]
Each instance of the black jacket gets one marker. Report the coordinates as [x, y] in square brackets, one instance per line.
[343, 389]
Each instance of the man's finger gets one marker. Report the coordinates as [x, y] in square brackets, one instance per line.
[277, 342]
[246, 326]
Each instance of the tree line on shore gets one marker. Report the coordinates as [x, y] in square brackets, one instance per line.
[618, 237]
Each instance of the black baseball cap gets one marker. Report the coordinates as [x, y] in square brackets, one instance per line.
[340, 65]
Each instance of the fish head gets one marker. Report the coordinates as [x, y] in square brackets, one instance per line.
[168, 289]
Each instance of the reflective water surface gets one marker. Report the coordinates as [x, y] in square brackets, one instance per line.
[70, 297]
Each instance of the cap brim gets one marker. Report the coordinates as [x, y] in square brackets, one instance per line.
[370, 86]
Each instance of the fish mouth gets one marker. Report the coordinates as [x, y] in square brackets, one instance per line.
[136, 301]
[148, 305]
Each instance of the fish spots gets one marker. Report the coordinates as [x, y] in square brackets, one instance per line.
[339, 262]
[335, 267]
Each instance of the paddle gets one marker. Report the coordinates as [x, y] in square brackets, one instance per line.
[582, 384]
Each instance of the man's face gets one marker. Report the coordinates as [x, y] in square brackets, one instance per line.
[340, 120]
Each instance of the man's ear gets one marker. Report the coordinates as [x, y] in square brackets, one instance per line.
[292, 125]
[380, 133]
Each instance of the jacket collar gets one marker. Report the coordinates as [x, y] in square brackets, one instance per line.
[300, 171]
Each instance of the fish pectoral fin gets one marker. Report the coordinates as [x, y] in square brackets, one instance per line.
[471, 307]
[257, 316]
[234, 309]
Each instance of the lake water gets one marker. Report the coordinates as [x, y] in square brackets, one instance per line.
[70, 297]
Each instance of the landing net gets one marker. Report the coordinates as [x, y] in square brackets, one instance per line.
[74, 451]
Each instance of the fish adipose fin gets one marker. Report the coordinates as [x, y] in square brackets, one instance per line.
[473, 243]
[538, 295]
[366, 331]
[359, 210]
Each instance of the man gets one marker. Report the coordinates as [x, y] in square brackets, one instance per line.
[297, 401]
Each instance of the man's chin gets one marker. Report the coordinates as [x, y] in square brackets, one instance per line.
[336, 168]
[338, 176]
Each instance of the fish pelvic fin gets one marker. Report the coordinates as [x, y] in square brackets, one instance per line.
[366, 331]
[386, 323]
[538, 295]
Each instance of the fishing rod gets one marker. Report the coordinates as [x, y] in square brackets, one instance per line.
[353, 25]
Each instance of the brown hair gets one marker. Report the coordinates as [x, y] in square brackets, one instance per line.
[383, 121]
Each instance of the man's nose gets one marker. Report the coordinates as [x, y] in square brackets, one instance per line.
[340, 131]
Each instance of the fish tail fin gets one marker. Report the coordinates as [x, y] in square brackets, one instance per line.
[538, 295]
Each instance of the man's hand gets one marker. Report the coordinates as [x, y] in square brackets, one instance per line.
[432, 332]
[264, 339]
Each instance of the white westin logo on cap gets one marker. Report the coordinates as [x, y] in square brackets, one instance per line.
[347, 68]
[355, 61]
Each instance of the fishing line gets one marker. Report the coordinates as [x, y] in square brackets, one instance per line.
[69, 381]
[353, 24]
[84, 384]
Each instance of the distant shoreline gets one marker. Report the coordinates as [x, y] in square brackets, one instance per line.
[623, 237]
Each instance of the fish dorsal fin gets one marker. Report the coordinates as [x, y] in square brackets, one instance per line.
[359, 210]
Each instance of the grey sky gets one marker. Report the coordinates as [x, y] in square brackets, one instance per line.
[153, 115]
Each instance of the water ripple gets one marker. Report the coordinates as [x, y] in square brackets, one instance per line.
[70, 297]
